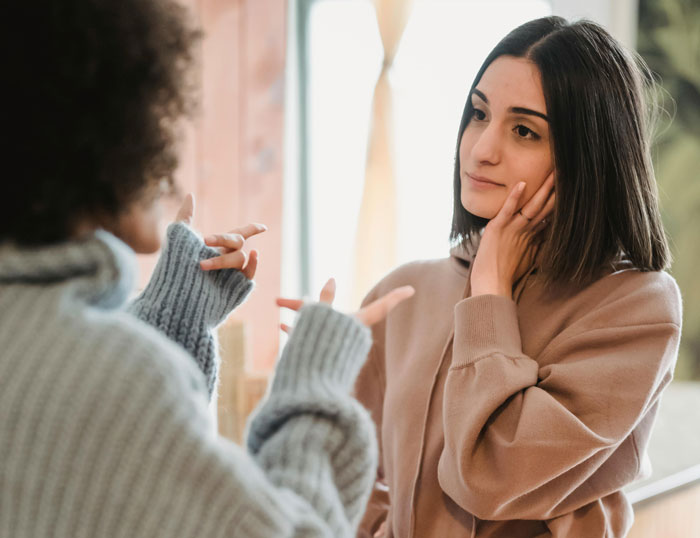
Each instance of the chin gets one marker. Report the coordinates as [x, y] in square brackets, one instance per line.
[149, 245]
[482, 210]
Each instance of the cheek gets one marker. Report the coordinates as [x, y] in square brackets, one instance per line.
[141, 228]
[538, 169]
[465, 145]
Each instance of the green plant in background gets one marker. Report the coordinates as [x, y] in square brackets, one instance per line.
[669, 40]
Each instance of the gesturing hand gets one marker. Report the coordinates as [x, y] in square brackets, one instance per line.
[229, 244]
[508, 246]
[372, 313]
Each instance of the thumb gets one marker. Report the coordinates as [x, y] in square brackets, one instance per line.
[186, 211]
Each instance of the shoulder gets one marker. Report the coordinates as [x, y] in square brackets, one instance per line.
[645, 297]
[417, 274]
[622, 299]
[122, 343]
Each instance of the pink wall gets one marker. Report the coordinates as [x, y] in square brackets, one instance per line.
[232, 153]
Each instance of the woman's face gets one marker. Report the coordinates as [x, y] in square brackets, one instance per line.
[507, 138]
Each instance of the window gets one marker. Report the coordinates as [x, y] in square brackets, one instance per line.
[442, 48]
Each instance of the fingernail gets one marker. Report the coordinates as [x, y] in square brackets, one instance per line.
[210, 239]
[205, 264]
[521, 186]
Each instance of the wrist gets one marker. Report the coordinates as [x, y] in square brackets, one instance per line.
[499, 289]
[325, 351]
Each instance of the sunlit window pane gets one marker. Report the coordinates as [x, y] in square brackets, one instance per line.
[443, 45]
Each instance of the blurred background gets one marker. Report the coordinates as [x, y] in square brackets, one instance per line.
[334, 122]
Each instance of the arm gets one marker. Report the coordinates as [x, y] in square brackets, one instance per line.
[372, 313]
[311, 386]
[521, 442]
[312, 447]
[186, 303]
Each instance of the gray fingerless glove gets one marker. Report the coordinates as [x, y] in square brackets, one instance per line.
[185, 302]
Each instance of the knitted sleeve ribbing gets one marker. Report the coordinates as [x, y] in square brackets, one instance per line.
[310, 419]
[185, 302]
[312, 453]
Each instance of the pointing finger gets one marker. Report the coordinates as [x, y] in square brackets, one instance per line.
[186, 211]
[378, 310]
[249, 230]
[510, 206]
[328, 292]
[292, 304]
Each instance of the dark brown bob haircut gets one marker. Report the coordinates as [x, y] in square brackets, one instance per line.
[95, 89]
[600, 122]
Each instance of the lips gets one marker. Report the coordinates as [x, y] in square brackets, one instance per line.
[483, 181]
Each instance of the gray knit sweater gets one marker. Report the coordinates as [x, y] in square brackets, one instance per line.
[104, 425]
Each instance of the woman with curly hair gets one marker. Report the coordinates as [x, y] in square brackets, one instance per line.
[104, 422]
[515, 394]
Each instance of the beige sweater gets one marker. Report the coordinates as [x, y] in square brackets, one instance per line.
[515, 418]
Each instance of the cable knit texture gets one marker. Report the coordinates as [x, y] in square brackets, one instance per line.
[104, 422]
[185, 302]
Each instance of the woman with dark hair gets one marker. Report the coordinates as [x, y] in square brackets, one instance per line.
[515, 394]
[104, 423]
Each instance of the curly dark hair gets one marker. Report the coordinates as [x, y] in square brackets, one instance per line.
[96, 90]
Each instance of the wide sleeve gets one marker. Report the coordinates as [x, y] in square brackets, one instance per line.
[159, 469]
[186, 303]
[369, 391]
[309, 435]
[522, 441]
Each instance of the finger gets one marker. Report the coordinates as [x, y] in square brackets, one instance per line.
[540, 221]
[186, 211]
[249, 230]
[286, 328]
[536, 203]
[379, 533]
[292, 304]
[232, 260]
[378, 310]
[547, 208]
[328, 292]
[228, 241]
[252, 265]
[510, 206]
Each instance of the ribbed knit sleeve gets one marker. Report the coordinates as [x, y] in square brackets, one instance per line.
[186, 303]
[105, 426]
[107, 433]
[310, 419]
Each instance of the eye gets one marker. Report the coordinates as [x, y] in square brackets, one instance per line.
[526, 133]
[478, 114]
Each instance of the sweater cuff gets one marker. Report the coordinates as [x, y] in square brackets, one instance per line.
[324, 353]
[180, 288]
[485, 325]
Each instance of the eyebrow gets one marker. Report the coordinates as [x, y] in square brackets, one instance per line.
[515, 109]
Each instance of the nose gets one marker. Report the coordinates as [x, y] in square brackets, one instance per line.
[487, 146]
